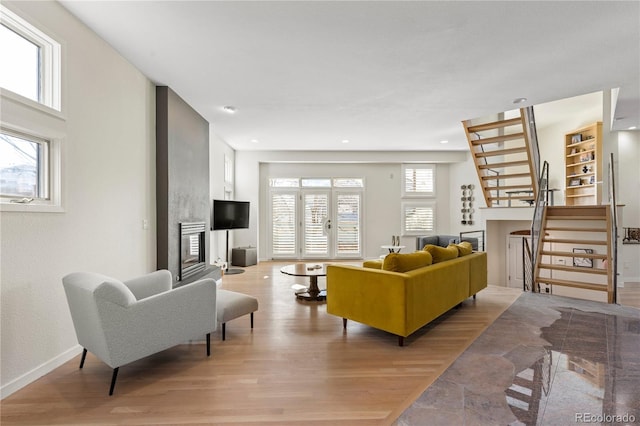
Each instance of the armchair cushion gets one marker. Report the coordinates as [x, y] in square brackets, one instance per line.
[150, 284]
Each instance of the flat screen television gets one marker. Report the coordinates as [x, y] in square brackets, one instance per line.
[229, 214]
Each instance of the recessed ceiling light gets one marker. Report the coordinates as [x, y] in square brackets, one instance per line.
[519, 100]
[230, 109]
[254, 141]
[444, 141]
[632, 128]
[345, 140]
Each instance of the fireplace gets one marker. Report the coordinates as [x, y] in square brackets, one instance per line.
[192, 247]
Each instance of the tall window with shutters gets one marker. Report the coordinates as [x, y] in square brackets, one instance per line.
[418, 193]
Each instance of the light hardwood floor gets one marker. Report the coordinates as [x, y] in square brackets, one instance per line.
[296, 367]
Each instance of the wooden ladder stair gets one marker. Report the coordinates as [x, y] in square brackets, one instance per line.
[502, 154]
[565, 228]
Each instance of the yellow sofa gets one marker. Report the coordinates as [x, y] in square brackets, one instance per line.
[403, 302]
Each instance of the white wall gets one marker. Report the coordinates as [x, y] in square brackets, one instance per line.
[627, 184]
[218, 149]
[109, 189]
[382, 196]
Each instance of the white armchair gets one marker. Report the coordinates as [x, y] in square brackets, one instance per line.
[121, 322]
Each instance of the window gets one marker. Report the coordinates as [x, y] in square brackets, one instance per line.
[29, 171]
[31, 61]
[418, 218]
[419, 180]
[228, 170]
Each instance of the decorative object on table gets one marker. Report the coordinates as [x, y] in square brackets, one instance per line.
[395, 240]
[467, 204]
[583, 262]
[631, 236]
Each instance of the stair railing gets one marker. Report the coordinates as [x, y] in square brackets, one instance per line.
[532, 135]
[542, 200]
[527, 276]
[614, 229]
[489, 171]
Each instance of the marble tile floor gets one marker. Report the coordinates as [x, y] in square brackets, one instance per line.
[547, 360]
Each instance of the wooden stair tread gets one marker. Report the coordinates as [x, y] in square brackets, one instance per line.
[506, 187]
[504, 164]
[597, 271]
[498, 139]
[514, 197]
[574, 229]
[502, 177]
[494, 125]
[576, 217]
[500, 152]
[571, 254]
[573, 284]
[573, 240]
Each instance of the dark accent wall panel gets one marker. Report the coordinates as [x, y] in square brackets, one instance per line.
[182, 175]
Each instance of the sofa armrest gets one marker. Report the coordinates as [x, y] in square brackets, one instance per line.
[150, 284]
[370, 296]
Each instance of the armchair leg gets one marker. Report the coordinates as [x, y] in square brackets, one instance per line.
[224, 330]
[208, 344]
[400, 341]
[344, 323]
[113, 380]
[474, 297]
[84, 355]
[251, 319]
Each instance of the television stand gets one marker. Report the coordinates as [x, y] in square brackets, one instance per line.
[231, 271]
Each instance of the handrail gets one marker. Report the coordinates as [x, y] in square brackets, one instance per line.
[614, 229]
[486, 162]
[532, 134]
[480, 238]
[527, 267]
[542, 200]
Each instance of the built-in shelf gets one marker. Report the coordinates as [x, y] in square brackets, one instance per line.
[583, 164]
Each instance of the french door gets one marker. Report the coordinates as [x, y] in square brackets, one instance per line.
[316, 224]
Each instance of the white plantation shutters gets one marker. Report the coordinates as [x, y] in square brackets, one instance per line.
[283, 223]
[316, 241]
[348, 224]
[418, 218]
[419, 180]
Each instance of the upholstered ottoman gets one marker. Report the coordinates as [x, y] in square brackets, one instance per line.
[231, 305]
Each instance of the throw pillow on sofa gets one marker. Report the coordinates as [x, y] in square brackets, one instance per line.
[440, 254]
[405, 262]
[464, 248]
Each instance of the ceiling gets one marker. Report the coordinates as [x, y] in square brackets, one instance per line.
[394, 75]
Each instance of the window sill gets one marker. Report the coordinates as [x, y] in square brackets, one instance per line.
[30, 208]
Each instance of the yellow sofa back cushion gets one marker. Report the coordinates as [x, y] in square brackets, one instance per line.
[404, 262]
[464, 248]
[440, 254]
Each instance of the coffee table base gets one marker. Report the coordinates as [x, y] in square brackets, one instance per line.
[312, 296]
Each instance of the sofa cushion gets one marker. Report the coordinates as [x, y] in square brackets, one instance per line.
[440, 254]
[374, 264]
[464, 248]
[404, 262]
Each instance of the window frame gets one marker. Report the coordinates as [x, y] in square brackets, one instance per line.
[50, 175]
[50, 72]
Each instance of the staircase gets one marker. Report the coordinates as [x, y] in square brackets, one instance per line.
[503, 154]
[574, 249]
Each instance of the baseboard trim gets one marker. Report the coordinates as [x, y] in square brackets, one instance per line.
[39, 371]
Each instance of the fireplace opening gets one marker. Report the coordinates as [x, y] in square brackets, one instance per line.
[192, 246]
